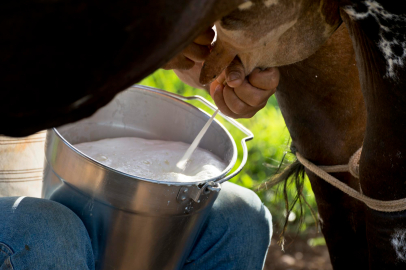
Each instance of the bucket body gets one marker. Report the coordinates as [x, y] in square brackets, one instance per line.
[135, 223]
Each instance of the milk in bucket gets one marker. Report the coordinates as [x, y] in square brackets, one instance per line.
[153, 159]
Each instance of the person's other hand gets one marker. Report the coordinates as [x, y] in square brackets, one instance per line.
[241, 96]
[196, 52]
[188, 64]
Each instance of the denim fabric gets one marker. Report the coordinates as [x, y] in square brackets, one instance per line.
[5, 254]
[41, 234]
[236, 235]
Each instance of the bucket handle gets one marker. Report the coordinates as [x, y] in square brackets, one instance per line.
[243, 129]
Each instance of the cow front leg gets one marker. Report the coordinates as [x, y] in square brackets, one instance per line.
[323, 107]
[378, 33]
[342, 224]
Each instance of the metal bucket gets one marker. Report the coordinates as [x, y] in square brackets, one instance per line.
[137, 223]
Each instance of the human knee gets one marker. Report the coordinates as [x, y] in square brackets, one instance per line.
[33, 227]
[245, 213]
[41, 214]
[236, 234]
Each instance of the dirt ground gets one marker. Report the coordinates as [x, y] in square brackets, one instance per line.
[298, 255]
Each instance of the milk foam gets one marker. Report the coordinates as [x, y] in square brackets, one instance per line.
[153, 159]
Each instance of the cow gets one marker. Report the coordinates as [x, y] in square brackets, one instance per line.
[260, 38]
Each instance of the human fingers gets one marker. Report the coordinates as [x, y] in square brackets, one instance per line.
[235, 73]
[238, 106]
[188, 57]
[191, 76]
[252, 95]
[180, 62]
[216, 92]
[205, 38]
[196, 53]
[221, 78]
[267, 79]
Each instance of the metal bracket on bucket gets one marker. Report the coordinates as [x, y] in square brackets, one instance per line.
[194, 192]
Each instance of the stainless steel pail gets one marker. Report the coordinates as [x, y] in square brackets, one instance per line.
[137, 223]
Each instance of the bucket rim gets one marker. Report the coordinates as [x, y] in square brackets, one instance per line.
[152, 91]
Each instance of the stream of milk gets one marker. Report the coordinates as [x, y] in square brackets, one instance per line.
[185, 158]
[153, 159]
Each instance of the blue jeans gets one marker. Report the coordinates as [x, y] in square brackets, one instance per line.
[39, 234]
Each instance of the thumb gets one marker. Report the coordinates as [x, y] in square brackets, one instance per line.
[235, 74]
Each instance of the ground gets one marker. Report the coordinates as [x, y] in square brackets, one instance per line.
[298, 254]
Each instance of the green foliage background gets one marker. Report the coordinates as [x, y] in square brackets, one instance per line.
[266, 151]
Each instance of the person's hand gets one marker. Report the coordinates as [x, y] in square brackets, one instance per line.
[196, 52]
[188, 64]
[241, 96]
[191, 76]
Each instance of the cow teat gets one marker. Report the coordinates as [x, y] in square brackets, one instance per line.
[219, 58]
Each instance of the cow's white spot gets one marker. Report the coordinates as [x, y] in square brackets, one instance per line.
[391, 34]
[246, 5]
[269, 3]
[398, 242]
